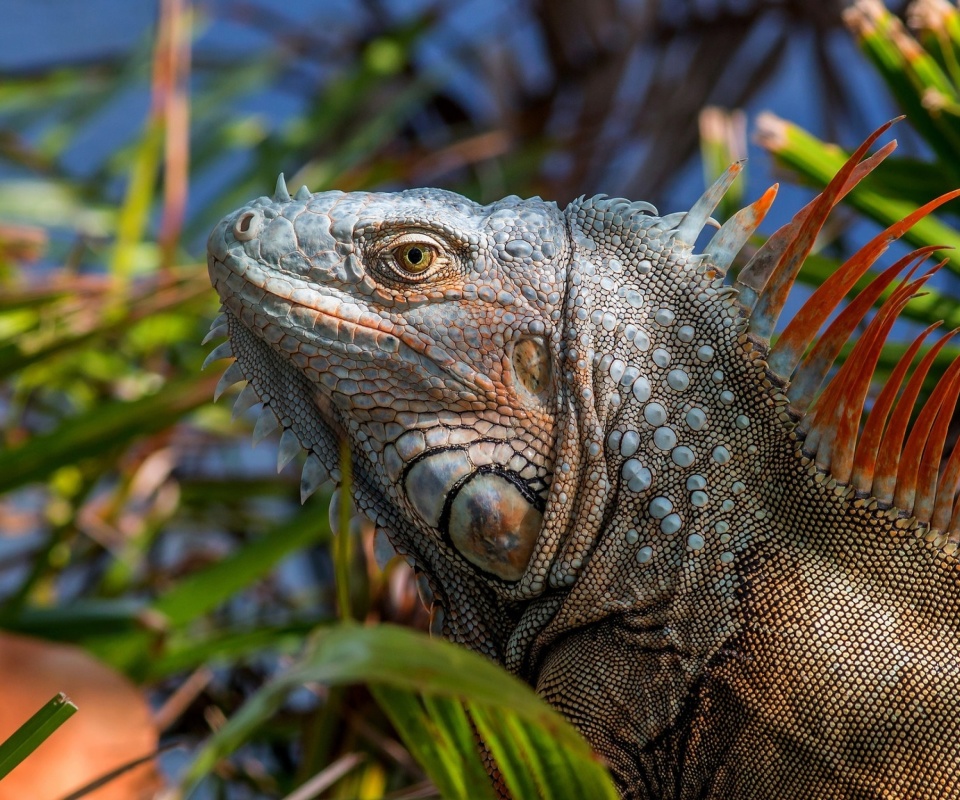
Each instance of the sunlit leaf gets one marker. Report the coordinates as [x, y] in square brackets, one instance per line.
[559, 761]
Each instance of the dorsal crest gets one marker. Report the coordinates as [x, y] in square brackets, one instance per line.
[888, 463]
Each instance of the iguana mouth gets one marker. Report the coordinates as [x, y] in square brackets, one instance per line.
[334, 332]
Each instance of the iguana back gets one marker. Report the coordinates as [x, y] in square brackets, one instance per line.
[614, 486]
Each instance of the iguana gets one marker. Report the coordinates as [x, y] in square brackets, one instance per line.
[614, 485]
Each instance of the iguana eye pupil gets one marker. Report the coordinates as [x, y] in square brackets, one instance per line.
[415, 257]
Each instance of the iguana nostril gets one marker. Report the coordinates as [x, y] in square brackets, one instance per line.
[245, 228]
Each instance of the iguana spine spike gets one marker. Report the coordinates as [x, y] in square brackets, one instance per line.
[639, 207]
[796, 337]
[215, 333]
[266, 424]
[438, 619]
[224, 350]
[312, 477]
[733, 234]
[954, 524]
[383, 550]
[948, 486]
[918, 442]
[303, 194]
[809, 377]
[841, 405]
[927, 490]
[891, 447]
[333, 511]
[771, 303]
[667, 224]
[280, 194]
[234, 374]
[289, 447]
[693, 221]
[865, 460]
[772, 277]
[247, 399]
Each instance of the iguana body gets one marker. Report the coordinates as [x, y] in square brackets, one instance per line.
[583, 439]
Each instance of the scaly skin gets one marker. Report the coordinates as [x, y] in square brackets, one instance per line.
[565, 423]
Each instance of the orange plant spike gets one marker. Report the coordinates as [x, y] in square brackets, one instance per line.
[945, 396]
[809, 377]
[865, 460]
[888, 460]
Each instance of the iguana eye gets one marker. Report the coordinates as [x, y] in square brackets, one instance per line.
[415, 257]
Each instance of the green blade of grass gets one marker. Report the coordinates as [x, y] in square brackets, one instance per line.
[511, 756]
[134, 213]
[432, 740]
[81, 619]
[205, 590]
[184, 652]
[29, 736]
[342, 550]
[182, 296]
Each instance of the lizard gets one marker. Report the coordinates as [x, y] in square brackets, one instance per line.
[575, 426]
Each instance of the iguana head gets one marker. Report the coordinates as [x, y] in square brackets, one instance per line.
[424, 329]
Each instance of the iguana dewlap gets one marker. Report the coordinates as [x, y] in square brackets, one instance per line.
[615, 486]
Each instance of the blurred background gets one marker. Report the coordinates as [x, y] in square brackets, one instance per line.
[153, 565]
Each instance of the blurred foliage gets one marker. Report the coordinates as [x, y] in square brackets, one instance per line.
[137, 522]
[922, 75]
